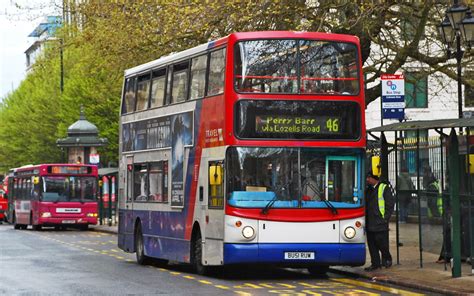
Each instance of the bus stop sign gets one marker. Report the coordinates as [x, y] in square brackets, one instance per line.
[393, 96]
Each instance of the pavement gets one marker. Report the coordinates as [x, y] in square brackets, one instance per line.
[407, 271]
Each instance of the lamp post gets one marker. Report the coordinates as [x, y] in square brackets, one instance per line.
[458, 22]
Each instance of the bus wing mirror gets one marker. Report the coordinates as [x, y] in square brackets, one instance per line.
[215, 175]
[376, 166]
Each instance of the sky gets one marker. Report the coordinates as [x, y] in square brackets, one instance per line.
[15, 26]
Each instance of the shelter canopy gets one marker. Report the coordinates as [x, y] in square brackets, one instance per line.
[425, 124]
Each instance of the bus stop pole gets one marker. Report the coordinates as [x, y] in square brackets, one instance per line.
[455, 204]
[397, 199]
[101, 211]
[110, 200]
[420, 229]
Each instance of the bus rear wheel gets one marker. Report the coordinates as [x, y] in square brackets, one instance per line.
[199, 268]
[37, 227]
[142, 259]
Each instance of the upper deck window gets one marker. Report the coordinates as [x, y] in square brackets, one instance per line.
[296, 66]
[128, 104]
[158, 88]
[180, 82]
[143, 90]
[198, 77]
[216, 72]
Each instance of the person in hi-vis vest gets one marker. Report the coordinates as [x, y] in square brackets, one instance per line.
[379, 208]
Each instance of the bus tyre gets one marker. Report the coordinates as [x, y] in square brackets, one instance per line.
[15, 225]
[142, 259]
[84, 227]
[318, 270]
[37, 227]
[197, 257]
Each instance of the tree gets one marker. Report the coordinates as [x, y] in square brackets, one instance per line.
[103, 38]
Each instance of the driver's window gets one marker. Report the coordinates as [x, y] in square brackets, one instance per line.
[341, 182]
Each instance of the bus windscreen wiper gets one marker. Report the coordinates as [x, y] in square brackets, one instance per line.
[330, 206]
[272, 201]
[268, 205]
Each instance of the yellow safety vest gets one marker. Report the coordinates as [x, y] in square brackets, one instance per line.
[381, 200]
[439, 200]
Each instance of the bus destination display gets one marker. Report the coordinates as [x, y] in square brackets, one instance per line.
[68, 170]
[277, 124]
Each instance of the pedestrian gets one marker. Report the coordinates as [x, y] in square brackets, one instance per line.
[405, 188]
[379, 208]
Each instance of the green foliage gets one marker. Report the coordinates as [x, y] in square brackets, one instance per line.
[103, 38]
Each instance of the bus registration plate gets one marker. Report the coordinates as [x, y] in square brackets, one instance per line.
[299, 255]
[69, 221]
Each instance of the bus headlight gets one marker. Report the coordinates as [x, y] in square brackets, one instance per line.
[46, 215]
[349, 232]
[91, 214]
[248, 232]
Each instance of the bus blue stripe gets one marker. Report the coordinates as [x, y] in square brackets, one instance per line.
[330, 254]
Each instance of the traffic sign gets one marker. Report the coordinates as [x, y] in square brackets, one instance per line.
[393, 96]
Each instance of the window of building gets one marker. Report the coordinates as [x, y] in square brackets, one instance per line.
[140, 182]
[128, 104]
[468, 95]
[180, 82]
[198, 77]
[216, 72]
[158, 88]
[416, 90]
[143, 91]
[158, 180]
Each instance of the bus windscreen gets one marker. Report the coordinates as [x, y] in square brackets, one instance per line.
[296, 66]
[68, 188]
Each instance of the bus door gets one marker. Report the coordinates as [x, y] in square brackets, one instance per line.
[341, 181]
[126, 216]
[214, 228]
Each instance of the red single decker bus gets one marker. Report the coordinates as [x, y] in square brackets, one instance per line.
[56, 195]
[3, 199]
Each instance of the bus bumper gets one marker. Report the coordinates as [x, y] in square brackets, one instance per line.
[324, 254]
[67, 221]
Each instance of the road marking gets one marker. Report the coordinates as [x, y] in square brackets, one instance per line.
[309, 292]
[268, 286]
[377, 287]
[205, 282]
[287, 286]
[190, 277]
[311, 285]
[222, 287]
[243, 293]
[248, 285]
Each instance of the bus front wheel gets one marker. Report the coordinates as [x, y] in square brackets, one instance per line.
[318, 270]
[142, 259]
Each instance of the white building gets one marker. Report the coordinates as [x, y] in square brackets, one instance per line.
[42, 33]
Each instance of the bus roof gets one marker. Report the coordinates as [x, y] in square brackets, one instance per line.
[176, 56]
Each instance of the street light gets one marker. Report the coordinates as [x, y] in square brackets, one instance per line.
[458, 22]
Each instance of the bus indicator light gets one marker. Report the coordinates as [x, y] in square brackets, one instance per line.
[238, 223]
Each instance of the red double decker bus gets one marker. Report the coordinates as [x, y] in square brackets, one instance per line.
[247, 149]
[56, 195]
